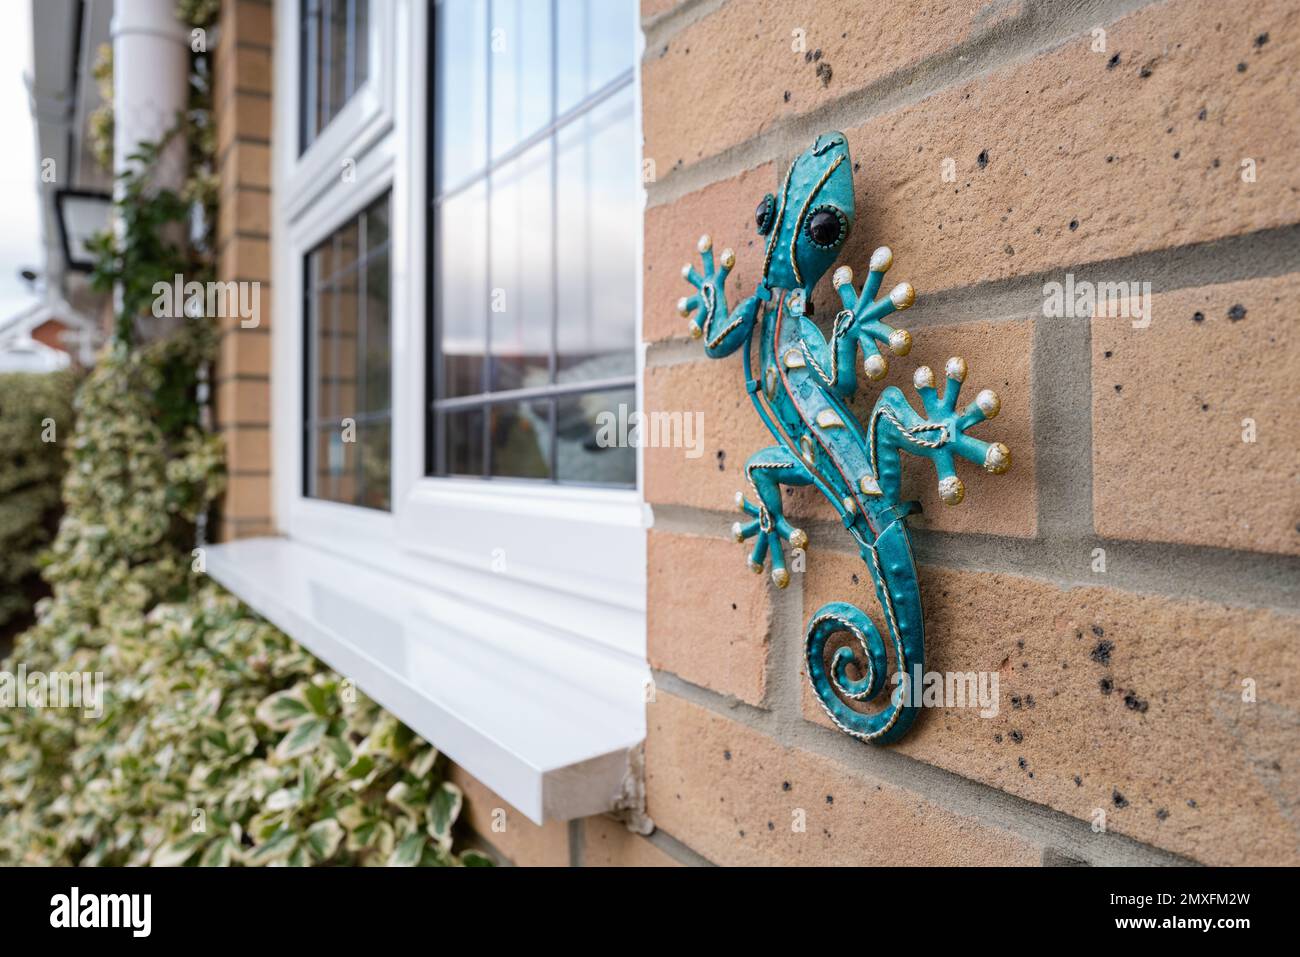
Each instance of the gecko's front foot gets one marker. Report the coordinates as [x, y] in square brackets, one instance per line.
[709, 286]
[723, 329]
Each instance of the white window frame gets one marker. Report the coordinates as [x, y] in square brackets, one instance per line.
[565, 557]
[366, 118]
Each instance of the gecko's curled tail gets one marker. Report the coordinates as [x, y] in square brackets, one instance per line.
[894, 573]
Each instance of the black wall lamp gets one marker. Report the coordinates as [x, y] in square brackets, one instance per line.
[81, 214]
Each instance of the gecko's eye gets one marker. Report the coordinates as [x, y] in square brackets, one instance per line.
[827, 226]
[764, 214]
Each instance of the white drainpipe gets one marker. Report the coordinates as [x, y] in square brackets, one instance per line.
[151, 67]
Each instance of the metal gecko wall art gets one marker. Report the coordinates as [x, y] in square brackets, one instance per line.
[801, 394]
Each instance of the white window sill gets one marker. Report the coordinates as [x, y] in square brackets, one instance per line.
[544, 717]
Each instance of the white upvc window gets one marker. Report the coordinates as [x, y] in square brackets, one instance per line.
[468, 240]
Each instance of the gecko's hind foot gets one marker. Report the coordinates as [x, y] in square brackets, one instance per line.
[998, 458]
[941, 434]
[769, 531]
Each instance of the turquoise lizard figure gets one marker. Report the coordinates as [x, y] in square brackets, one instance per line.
[801, 394]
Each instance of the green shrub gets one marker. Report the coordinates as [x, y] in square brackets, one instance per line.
[220, 741]
[35, 422]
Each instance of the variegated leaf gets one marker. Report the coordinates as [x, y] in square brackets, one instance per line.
[281, 710]
[324, 837]
[278, 848]
[444, 808]
[303, 737]
[408, 852]
[176, 853]
[218, 854]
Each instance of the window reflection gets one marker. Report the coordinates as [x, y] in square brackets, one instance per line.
[334, 55]
[347, 422]
[535, 221]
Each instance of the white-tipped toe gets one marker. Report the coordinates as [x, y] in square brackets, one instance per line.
[997, 459]
[902, 295]
[988, 403]
[900, 342]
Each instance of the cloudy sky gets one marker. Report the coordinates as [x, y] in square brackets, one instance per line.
[20, 244]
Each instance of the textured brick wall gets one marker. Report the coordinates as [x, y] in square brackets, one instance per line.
[1121, 690]
[242, 103]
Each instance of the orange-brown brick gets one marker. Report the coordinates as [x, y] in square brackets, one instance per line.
[250, 20]
[1168, 420]
[509, 831]
[732, 432]
[248, 496]
[999, 357]
[241, 66]
[246, 164]
[1198, 771]
[243, 401]
[725, 211]
[246, 259]
[1119, 152]
[246, 350]
[244, 211]
[244, 116]
[713, 637]
[743, 67]
[607, 843]
[248, 450]
[233, 322]
[736, 796]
